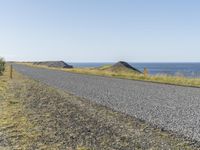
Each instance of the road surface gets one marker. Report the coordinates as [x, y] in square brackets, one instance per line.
[170, 107]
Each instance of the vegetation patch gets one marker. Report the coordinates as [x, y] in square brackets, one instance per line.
[15, 129]
[2, 66]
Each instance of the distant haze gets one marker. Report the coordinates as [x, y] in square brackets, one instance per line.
[100, 30]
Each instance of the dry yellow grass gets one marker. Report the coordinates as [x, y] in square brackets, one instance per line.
[13, 122]
[127, 74]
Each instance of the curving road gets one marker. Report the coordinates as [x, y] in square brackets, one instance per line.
[171, 107]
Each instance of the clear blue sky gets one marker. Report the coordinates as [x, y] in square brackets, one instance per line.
[100, 31]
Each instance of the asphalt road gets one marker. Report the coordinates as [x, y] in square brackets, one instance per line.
[170, 107]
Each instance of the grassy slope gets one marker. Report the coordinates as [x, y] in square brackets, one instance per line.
[15, 128]
[127, 74]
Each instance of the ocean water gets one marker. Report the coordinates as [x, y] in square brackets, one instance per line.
[178, 69]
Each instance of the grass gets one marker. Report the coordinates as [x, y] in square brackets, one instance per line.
[13, 123]
[128, 74]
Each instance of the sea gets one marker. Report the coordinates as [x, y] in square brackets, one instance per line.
[191, 70]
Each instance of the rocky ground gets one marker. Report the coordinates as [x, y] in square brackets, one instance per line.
[35, 116]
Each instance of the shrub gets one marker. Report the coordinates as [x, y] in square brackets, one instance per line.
[2, 66]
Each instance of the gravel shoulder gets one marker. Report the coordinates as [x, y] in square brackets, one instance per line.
[172, 108]
[36, 116]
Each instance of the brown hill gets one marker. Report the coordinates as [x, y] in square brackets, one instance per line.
[57, 64]
[121, 66]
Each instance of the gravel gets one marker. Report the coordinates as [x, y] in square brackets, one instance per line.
[173, 108]
[3, 141]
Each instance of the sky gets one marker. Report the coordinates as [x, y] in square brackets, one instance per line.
[100, 30]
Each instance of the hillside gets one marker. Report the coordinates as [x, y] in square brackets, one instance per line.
[56, 64]
[120, 66]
